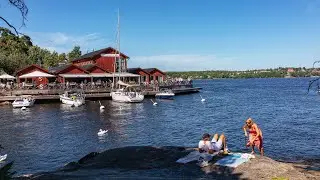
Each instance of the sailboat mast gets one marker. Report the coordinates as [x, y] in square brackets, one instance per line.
[120, 65]
[117, 50]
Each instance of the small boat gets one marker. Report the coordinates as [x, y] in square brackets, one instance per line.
[128, 94]
[102, 132]
[4, 157]
[165, 94]
[23, 101]
[72, 98]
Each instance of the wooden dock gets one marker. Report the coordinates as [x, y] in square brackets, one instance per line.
[90, 94]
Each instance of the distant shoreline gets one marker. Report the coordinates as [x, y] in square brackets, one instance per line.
[262, 73]
[254, 78]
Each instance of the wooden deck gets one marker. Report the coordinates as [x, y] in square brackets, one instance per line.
[90, 94]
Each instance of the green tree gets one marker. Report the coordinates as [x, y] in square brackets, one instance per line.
[75, 53]
[35, 55]
[62, 57]
[26, 40]
[11, 62]
[50, 59]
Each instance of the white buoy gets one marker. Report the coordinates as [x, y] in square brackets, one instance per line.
[23, 108]
[102, 132]
[154, 103]
[101, 107]
[202, 100]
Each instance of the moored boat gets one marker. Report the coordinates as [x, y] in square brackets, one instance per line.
[72, 98]
[165, 94]
[23, 101]
[128, 94]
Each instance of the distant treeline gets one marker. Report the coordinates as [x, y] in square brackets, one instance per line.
[262, 73]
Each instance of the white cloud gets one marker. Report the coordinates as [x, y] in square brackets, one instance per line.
[62, 42]
[184, 62]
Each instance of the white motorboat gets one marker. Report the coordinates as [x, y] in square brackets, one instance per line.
[73, 99]
[165, 94]
[23, 101]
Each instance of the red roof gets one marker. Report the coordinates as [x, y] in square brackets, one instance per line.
[32, 66]
[94, 54]
[151, 70]
[89, 67]
[71, 65]
[134, 70]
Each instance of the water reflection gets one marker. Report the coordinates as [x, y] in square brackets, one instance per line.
[22, 114]
[103, 139]
[67, 108]
[121, 109]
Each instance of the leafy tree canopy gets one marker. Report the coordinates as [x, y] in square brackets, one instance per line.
[18, 51]
[75, 53]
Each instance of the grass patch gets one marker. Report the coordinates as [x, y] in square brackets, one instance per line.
[280, 178]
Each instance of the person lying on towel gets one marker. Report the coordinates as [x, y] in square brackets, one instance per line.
[255, 135]
[215, 145]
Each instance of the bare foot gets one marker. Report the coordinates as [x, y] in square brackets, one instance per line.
[252, 152]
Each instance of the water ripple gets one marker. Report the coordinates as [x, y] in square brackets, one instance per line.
[49, 135]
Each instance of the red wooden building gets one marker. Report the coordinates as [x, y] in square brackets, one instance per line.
[34, 68]
[70, 71]
[98, 65]
[148, 75]
[103, 58]
[145, 76]
[155, 74]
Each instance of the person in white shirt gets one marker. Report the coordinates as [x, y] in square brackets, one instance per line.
[215, 145]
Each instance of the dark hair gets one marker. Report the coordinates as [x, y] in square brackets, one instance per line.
[205, 135]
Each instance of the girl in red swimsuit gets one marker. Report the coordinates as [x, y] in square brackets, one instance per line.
[255, 135]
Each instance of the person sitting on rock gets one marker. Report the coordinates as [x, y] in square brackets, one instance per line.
[255, 135]
[215, 145]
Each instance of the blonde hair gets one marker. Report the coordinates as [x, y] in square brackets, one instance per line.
[250, 120]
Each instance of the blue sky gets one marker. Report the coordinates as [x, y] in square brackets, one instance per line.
[176, 35]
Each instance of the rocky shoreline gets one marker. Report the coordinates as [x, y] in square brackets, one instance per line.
[159, 163]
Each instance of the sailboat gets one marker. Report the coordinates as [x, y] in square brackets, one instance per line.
[128, 93]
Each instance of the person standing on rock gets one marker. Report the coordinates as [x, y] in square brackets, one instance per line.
[255, 135]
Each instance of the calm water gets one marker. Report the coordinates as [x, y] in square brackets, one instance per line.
[50, 135]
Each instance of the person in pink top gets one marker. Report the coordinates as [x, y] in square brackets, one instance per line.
[255, 135]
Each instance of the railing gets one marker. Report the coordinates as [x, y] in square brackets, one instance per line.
[92, 86]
